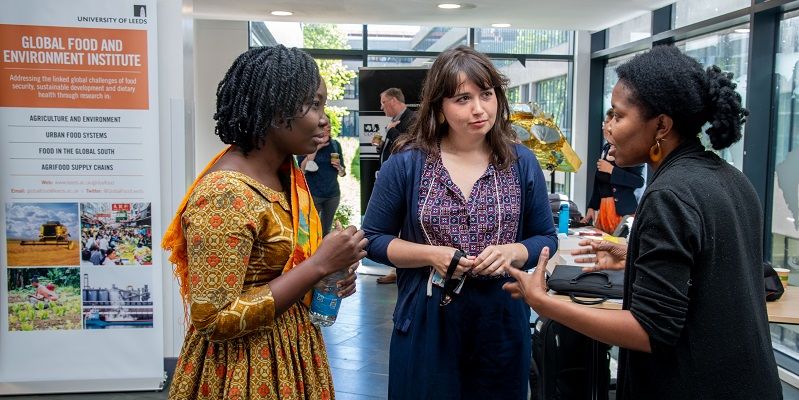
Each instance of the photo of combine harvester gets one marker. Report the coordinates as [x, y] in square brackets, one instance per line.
[42, 234]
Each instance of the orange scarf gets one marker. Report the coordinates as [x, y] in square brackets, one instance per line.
[304, 217]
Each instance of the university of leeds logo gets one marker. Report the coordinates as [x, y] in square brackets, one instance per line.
[140, 10]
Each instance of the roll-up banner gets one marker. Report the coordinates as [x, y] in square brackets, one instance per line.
[80, 294]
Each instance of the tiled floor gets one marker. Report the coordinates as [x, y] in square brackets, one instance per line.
[358, 342]
[357, 347]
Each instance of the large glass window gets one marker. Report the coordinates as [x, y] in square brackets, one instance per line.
[522, 41]
[305, 35]
[342, 93]
[785, 206]
[546, 83]
[415, 38]
[729, 49]
[630, 31]
[611, 78]
[688, 12]
[378, 60]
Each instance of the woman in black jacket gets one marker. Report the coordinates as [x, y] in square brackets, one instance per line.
[693, 323]
[613, 195]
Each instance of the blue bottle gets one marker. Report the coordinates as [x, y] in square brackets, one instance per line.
[326, 303]
[563, 218]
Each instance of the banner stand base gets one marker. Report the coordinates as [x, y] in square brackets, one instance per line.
[84, 386]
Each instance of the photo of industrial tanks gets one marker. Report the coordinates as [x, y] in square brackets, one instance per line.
[42, 234]
[115, 234]
[117, 298]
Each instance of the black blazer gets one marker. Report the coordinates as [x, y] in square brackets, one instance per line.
[622, 183]
[405, 121]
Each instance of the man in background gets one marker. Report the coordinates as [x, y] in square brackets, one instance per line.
[392, 102]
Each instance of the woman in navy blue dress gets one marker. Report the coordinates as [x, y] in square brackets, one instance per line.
[460, 197]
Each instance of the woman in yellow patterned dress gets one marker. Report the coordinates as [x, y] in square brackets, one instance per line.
[247, 243]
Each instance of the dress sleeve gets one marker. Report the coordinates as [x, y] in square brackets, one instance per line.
[221, 225]
[669, 237]
[538, 230]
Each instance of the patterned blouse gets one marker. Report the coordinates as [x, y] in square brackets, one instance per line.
[489, 217]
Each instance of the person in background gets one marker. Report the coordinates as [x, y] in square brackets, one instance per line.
[459, 199]
[613, 195]
[247, 243]
[392, 102]
[96, 257]
[323, 179]
[694, 265]
[42, 292]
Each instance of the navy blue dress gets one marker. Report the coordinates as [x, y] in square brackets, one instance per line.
[477, 346]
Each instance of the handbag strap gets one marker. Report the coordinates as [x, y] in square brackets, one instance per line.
[608, 284]
[449, 283]
[588, 302]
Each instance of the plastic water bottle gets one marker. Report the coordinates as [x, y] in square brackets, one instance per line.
[563, 218]
[325, 302]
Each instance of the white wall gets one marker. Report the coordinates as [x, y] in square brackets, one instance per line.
[582, 72]
[216, 45]
[193, 57]
[172, 153]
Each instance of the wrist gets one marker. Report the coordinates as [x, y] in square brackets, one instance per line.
[542, 304]
[433, 255]
[517, 254]
[315, 268]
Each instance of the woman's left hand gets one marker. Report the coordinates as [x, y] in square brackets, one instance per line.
[347, 285]
[492, 259]
[604, 166]
[532, 288]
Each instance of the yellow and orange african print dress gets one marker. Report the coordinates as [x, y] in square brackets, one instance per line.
[239, 236]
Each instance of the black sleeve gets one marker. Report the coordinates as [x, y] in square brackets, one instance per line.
[594, 202]
[631, 177]
[668, 237]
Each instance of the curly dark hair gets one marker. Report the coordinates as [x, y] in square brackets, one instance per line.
[666, 81]
[442, 81]
[264, 86]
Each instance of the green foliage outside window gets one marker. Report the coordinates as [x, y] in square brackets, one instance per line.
[334, 72]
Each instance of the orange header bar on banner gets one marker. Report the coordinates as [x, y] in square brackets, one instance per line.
[61, 67]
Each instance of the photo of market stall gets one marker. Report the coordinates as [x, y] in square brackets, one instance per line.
[116, 234]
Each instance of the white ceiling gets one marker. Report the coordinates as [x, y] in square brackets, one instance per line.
[591, 15]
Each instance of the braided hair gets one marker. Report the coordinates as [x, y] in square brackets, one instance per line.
[263, 87]
[666, 81]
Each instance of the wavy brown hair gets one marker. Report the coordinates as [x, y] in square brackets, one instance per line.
[442, 81]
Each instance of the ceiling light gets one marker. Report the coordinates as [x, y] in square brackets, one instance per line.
[500, 25]
[449, 6]
[742, 30]
[282, 13]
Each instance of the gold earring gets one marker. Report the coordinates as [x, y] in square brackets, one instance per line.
[655, 152]
[441, 118]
